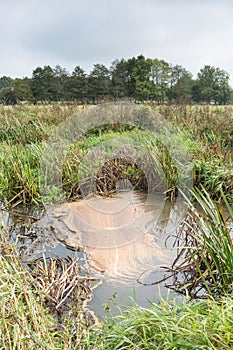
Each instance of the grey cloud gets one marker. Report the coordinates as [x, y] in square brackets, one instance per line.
[86, 32]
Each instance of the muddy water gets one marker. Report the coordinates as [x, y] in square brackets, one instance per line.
[122, 241]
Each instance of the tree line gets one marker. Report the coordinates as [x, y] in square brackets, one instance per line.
[138, 78]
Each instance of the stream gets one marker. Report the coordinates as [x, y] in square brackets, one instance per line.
[124, 241]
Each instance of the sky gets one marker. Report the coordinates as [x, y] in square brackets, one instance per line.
[191, 33]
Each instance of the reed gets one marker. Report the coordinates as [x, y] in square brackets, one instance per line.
[204, 265]
[27, 124]
[209, 131]
[19, 174]
[42, 305]
[206, 132]
[25, 323]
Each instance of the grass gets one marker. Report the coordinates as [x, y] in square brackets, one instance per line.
[167, 326]
[215, 175]
[209, 131]
[27, 324]
[19, 174]
[23, 129]
[41, 307]
[26, 124]
[205, 260]
[204, 266]
[205, 132]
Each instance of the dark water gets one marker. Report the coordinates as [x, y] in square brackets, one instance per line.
[140, 259]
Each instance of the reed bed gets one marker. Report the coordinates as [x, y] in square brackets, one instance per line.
[204, 264]
[42, 304]
[39, 303]
[213, 124]
[25, 323]
[206, 133]
[23, 130]
[209, 139]
[31, 299]
[26, 124]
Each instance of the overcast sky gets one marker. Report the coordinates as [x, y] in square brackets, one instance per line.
[191, 33]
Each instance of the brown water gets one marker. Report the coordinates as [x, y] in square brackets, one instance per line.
[122, 241]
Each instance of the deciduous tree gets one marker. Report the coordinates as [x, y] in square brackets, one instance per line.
[181, 84]
[212, 84]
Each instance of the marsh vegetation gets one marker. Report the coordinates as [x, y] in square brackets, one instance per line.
[32, 297]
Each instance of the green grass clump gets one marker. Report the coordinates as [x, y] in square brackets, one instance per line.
[209, 132]
[41, 306]
[215, 176]
[206, 260]
[19, 173]
[23, 131]
[25, 324]
[189, 325]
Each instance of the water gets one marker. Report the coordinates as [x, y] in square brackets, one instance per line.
[125, 240]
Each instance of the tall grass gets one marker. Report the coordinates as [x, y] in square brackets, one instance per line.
[204, 265]
[25, 324]
[212, 123]
[206, 133]
[41, 307]
[214, 175]
[23, 129]
[31, 124]
[19, 173]
[211, 130]
[167, 326]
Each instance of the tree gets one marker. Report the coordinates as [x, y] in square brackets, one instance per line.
[130, 79]
[59, 83]
[43, 84]
[99, 82]
[76, 85]
[212, 84]
[5, 82]
[222, 90]
[142, 76]
[181, 84]
[6, 91]
[159, 76]
[22, 89]
[7, 96]
[119, 73]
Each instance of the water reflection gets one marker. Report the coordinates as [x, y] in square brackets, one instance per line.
[122, 240]
[122, 236]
